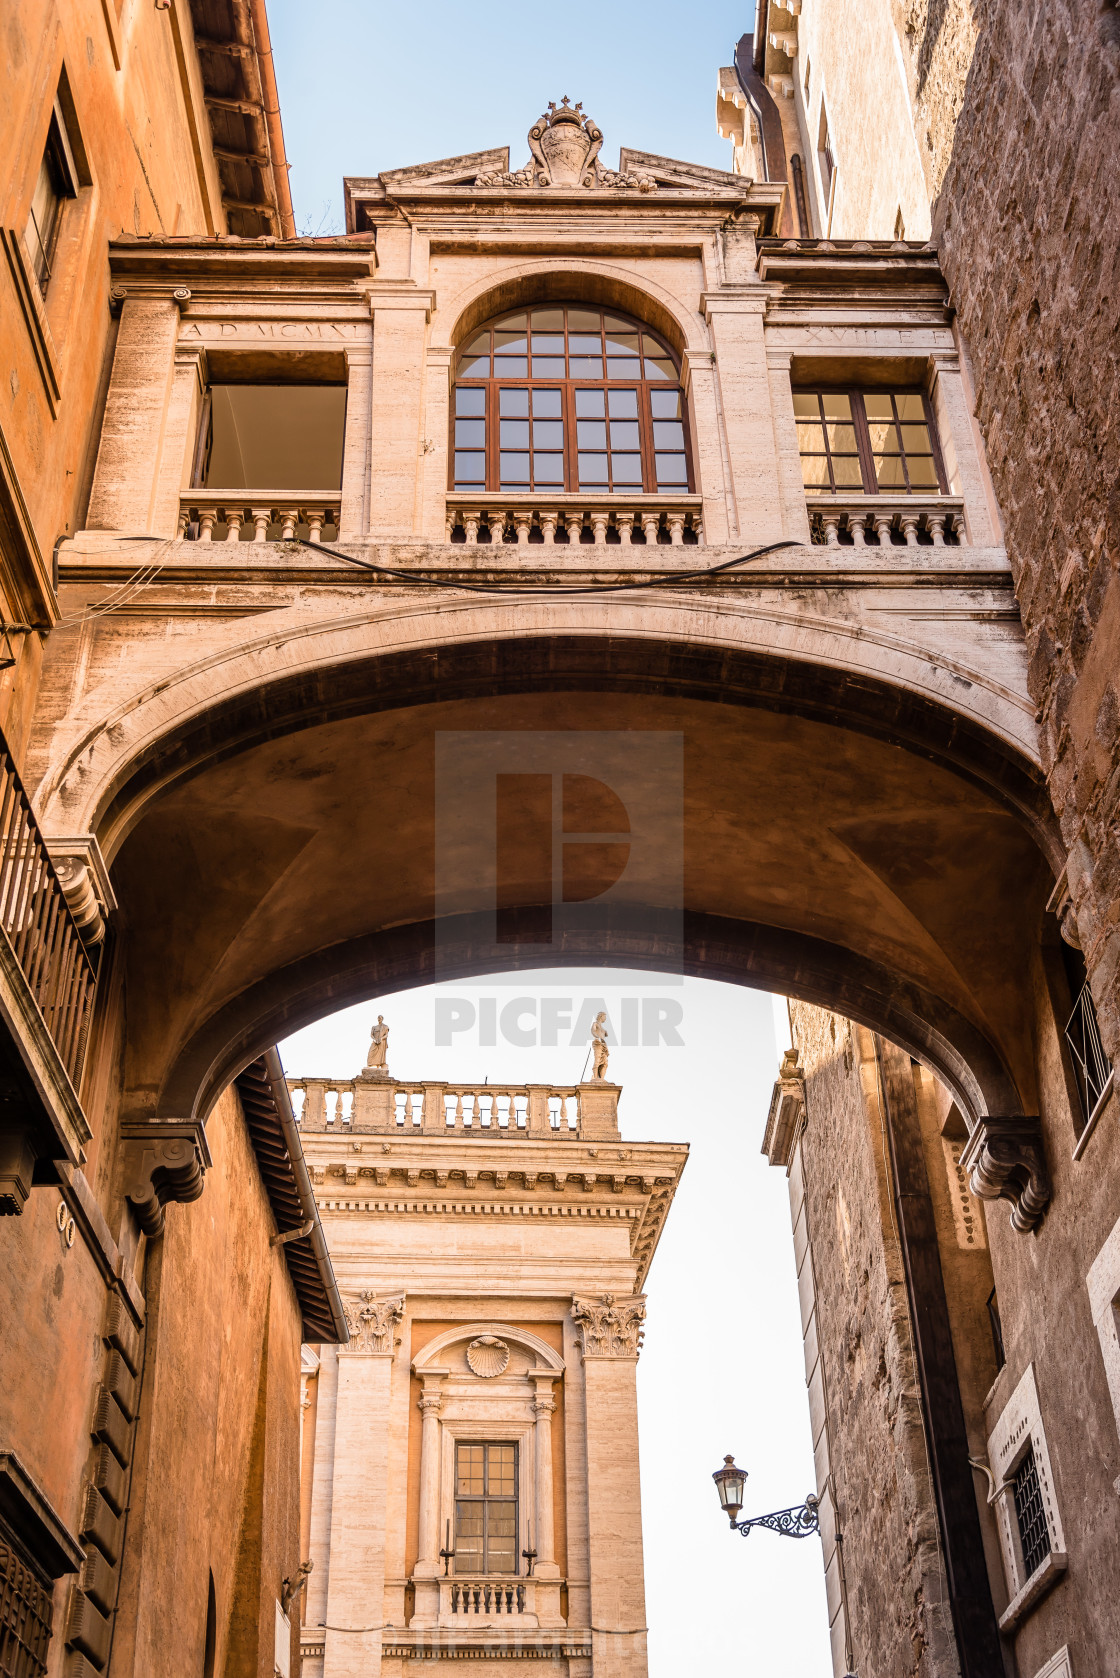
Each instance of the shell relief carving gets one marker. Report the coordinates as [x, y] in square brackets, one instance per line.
[488, 1356]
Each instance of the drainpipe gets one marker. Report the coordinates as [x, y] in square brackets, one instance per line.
[290, 1129]
[281, 185]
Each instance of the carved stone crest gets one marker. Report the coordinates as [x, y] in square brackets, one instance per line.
[610, 1328]
[565, 144]
[488, 1356]
[371, 1322]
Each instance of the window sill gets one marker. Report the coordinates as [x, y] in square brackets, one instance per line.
[1094, 1117]
[1040, 1583]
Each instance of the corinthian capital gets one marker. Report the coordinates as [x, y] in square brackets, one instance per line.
[610, 1328]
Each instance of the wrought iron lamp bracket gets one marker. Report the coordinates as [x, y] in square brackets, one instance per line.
[791, 1523]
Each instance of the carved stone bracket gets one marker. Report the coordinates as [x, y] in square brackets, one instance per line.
[162, 1163]
[1005, 1161]
[610, 1328]
[371, 1322]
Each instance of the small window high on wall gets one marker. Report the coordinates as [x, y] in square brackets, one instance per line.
[569, 398]
[878, 442]
[272, 426]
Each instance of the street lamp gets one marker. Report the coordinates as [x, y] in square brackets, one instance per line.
[791, 1523]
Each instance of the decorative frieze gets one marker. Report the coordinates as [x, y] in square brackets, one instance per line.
[610, 1328]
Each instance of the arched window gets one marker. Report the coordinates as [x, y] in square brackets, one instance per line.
[568, 398]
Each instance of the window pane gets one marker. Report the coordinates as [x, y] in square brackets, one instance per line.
[547, 343]
[806, 405]
[626, 468]
[470, 433]
[591, 434]
[888, 470]
[548, 468]
[911, 408]
[501, 1470]
[513, 323]
[660, 368]
[479, 344]
[584, 343]
[513, 402]
[590, 403]
[510, 343]
[584, 320]
[469, 469]
[878, 407]
[846, 471]
[514, 469]
[469, 1461]
[668, 434]
[515, 434]
[470, 401]
[510, 367]
[475, 367]
[592, 469]
[586, 367]
[922, 472]
[622, 343]
[621, 369]
[837, 407]
[665, 404]
[915, 439]
[546, 404]
[624, 434]
[622, 404]
[884, 438]
[548, 367]
[810, 438]
[548, 434]
[547, 320]
[841, 438]
[814, 473]
[671, 469]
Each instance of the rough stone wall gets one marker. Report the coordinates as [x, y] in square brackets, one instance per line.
[899, 1622]
[1028, 225]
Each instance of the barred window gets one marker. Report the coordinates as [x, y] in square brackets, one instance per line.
[874, 442]
[1034, 1533]
[569, 398]
[485, 1509]
[25, 1619]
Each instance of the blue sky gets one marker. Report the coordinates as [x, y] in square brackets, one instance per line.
[367, 86]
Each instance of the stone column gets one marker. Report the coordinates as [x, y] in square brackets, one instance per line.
[610, 1334]
[356, 1585]
[544, 1406]
[428, 1546]
[132, 433]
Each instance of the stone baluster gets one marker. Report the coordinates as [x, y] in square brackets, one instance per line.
[698, 527]
[449, 526]
[599, 527]
[234, 519]
[548, 527]
[831, 523]
[184, 520]
[206, 518]
[470, 525]
[316, 517]
[651, 523]
[857, 524]
[523, 521]
[910, 529]
[262, 518]
[936, 523]
[289, 518]
[676, 529]
[883, 523]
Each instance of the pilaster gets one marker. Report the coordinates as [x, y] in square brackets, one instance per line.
[400, 316]
[735, 320]
[134, 428]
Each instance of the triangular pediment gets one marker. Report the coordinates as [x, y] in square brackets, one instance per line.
[448, 171]
[686, 177]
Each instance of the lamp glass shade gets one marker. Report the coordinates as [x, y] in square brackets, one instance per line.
[730, 1482]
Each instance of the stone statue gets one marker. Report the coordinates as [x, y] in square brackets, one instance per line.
[599, 1043]
[379, 1046]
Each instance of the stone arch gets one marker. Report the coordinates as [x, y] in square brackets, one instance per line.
[546, 1357]
[578, 280]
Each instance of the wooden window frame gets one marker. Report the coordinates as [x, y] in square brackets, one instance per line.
[485, 1570]
[856, 394]
[568, 388]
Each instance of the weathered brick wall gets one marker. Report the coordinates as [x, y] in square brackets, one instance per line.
[1027, 220]
[899, 1623]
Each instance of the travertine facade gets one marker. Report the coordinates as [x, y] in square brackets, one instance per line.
[492, 1258]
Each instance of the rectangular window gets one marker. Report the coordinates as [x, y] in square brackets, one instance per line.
[874, 442]
[272, 437]
[485, 1509]
[1034, 1534]
[56, 181]
[530, 440]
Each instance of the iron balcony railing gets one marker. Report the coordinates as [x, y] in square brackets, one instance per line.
[1091, 1065]
[40, 929]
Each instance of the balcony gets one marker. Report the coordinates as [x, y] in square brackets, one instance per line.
[884, 521]
[565, 519]
[258, 515]
[486, 1112]
[47, 987]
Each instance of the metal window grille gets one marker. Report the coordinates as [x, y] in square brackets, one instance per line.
[1034, 1533]
[25, 1619]
[1091, 1065]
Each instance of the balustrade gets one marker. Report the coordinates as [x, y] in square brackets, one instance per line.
[331, 1104]
[483, 1596]
[252, 515]
[565, 520]
[870, 521]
